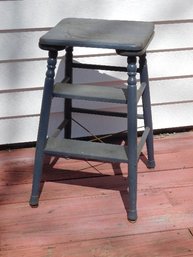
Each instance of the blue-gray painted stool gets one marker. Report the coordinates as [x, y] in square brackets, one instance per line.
[127, 38]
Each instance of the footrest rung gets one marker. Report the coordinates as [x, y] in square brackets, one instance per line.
[86, 150]
[90, 93]
[94, 93]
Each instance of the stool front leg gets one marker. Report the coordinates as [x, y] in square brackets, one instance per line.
[132, 137]
[43, 127]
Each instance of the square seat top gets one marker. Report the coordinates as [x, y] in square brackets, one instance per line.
[111, 34]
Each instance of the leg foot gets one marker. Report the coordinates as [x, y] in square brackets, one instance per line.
[34, 201]
[132, 216]
[151, 164]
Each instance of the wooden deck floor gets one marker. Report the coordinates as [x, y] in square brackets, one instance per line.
[82, 209]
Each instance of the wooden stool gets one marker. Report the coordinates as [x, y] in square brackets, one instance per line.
[127, 38]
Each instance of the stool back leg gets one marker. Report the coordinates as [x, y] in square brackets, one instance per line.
[68, 102]
[147, 110]
[43, 127]
[132, 137]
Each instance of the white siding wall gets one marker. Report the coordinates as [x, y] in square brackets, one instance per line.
[23, 64]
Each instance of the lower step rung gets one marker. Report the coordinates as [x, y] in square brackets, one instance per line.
[86, 150]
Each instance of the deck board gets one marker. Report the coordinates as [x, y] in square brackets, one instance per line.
[83, 207]
[82, 187]
[91, 217]
[170, 243]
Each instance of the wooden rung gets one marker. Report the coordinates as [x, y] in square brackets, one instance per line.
[85, 150]
[94, 93]
[90, 92]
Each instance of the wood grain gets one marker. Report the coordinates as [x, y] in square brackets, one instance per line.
[83, 206]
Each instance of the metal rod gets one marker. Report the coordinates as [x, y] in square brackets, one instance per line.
[97, 138]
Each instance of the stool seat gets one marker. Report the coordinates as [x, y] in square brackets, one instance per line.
[131, 36]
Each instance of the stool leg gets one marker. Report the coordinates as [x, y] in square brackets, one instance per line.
[43, 127]
[132, 137]
[147, 111]
[68, 102]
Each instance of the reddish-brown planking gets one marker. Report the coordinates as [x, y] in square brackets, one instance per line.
[83, 207]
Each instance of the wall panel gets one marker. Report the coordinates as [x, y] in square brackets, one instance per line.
[45, 13]
[23, 64]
